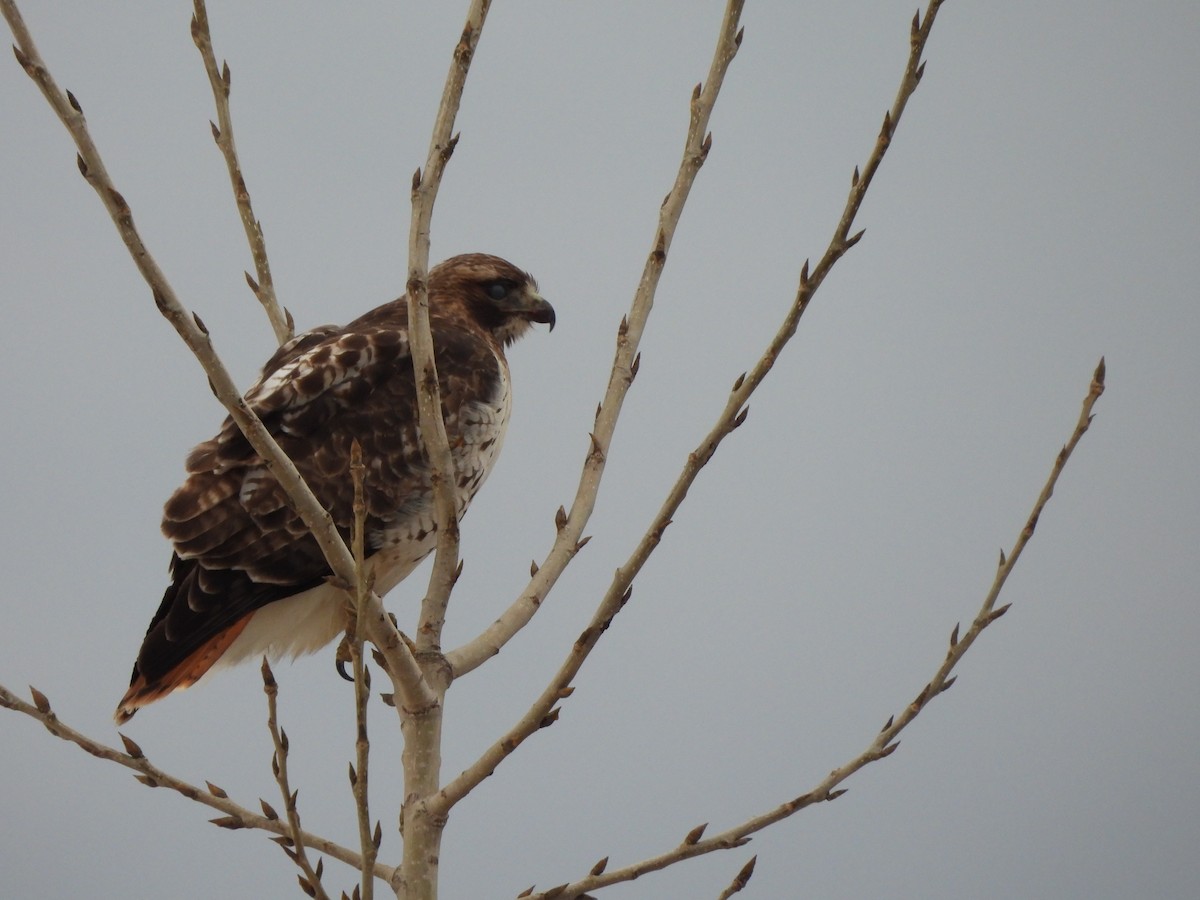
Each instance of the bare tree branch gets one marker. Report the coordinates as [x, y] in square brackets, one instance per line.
[570, 526]
[222, 129]
[422, 829]
[570, 540]
[425, 186]
[884, 743]
[235, 815]
[410, 685]
[293, 842]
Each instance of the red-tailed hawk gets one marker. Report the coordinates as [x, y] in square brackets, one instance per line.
[246, 576]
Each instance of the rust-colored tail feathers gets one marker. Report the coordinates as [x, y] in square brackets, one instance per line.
[142, 692]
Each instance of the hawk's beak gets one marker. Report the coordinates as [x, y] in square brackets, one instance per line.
[538, 309]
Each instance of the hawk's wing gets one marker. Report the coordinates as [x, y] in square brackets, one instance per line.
[238, 543]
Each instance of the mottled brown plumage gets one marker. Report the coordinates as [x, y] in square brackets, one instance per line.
[246, 576]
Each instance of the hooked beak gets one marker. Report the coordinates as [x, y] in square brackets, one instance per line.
[538, 309]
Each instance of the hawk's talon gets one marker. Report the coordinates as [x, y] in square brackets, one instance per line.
[342, 657]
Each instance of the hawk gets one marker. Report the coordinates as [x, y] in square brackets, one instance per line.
[247, 578]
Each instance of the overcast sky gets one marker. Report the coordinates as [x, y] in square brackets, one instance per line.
[1039, 208]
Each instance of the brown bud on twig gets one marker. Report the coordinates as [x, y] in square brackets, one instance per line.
[582, 542]
[268, 810]
[693, 836]
[23, 60]
[954, 635]
[855, 238]
[233, 823]
[216, 791]
[533, 567]
[74, 103]
[997, 613]
[131, 747]
[598, 868]
[560, 519]
[39, 700]
[743, 877]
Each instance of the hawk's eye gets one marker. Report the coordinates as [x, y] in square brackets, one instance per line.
[498, 290]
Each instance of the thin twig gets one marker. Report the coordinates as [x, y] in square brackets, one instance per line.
[293, 842]
[222, 130]
[740, 880]
[235, 815]
[884, 743]
[359, 782]
[411, 689]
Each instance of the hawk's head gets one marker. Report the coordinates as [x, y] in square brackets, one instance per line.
[493, 291]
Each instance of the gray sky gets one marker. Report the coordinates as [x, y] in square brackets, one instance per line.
[1038, 209]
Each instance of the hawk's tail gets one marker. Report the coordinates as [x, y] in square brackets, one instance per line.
[143, 691]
